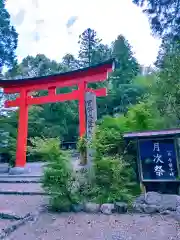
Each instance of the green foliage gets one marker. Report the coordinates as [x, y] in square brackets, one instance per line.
[8, 36]
[144, 116]
[8, 130]
[12, 151]
[115, 180]
[58, 176]
[123, 92]
[34, 67]
[70, 62]
[88, 43]
[164, 93]
[9, 150]
[82, 148]
[92, 51]
[164, 16]
[108, 138]
[115, 159]
[128, 66]
[140, 117]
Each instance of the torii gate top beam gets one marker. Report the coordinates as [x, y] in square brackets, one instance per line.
[90, 74]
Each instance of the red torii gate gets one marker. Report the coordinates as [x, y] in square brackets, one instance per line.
[25, 87]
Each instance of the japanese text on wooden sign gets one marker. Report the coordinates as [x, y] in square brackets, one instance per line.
[158, 159]
[91, 117]
[91, 113]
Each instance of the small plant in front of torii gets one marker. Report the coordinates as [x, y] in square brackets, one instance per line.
[59, 178]
[82, 148]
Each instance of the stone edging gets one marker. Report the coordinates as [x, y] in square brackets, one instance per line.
[7, 231]
[10, 216]
[149, 203]
[106, 208]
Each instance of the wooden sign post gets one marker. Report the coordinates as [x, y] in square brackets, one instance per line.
[91, 117]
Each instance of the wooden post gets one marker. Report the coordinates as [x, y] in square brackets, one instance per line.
[142, 187]
[22, 131]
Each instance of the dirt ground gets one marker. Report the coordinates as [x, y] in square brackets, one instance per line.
[83, 226]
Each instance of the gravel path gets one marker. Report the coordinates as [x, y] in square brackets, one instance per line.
[99, 227]
[21, 205]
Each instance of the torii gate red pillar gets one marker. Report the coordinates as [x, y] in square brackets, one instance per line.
[25, 87]
[22, 130]
[82, 116]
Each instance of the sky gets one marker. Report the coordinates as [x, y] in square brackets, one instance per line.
[53, 27]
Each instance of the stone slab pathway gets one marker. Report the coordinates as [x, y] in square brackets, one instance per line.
[99, 227]
[21, 187]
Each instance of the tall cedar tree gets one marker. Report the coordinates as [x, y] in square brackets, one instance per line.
[9, 38]
[128, 66]
[168, 47]
[164, 16]
[122, 91]
[89, 43]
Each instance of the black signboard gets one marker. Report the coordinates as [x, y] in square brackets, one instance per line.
[158, 160]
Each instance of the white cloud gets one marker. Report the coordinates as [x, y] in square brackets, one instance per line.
[108, 18]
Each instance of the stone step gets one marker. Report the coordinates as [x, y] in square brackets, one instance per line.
[22, 189]
[20, 180]
[6, 175]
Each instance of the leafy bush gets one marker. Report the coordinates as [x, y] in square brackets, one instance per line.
[115, 180]
[115, 159]
[10, 151]
[114, 166]
[58, 179]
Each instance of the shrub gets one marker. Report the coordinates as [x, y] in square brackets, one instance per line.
[114, 163]
[10, 151]
[58, 179]
[115, 180]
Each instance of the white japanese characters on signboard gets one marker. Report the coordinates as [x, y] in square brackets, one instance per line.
[157, 159]
[170, 164]
[91, 113]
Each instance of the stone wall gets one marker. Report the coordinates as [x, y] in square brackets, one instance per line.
[149, 203]
[153, 202]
